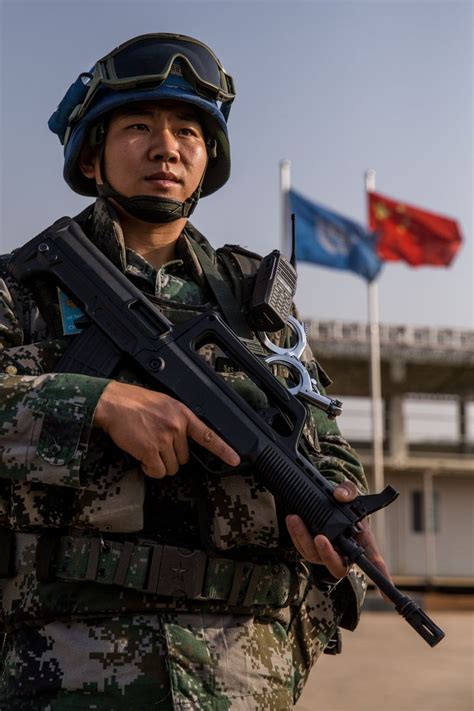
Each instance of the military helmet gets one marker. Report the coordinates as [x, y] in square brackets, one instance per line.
[148, 68]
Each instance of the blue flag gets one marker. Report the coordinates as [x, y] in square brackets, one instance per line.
[327, 238]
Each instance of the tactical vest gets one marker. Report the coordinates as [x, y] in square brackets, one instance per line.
[198, 502]
[224, 526]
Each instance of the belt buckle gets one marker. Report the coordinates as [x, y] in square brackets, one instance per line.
[175, 571]
[181, 573]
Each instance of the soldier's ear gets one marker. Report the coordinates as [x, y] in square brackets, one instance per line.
[88, 160]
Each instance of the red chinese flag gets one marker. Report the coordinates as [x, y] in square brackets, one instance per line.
[412, 235]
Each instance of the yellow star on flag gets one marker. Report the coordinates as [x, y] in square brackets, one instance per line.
[381, 211]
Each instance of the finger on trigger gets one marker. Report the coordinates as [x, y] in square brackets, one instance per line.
[170, 461]
[157, 470]
[181, 450]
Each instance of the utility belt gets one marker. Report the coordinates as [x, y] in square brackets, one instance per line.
[150, 567]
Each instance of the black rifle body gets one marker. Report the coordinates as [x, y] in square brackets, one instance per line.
[124, 326]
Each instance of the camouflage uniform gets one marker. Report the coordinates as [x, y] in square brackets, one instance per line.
[89, 622]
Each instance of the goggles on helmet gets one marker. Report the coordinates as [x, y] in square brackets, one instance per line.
[146, 61]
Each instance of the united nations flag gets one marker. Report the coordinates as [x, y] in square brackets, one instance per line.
[327, 238]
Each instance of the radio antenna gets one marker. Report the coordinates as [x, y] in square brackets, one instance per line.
[293, 241]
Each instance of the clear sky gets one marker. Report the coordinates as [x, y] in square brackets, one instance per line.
[336, 87]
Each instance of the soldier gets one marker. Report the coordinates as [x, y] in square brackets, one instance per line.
[100, 503]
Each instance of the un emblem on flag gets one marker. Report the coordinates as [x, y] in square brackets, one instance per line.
[331, 238]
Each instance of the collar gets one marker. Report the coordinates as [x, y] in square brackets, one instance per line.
[101, 222]
[150, 279]
[107, 234]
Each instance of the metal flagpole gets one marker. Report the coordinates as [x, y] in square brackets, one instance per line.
[285, 181]
[429, 527]
[378, 523]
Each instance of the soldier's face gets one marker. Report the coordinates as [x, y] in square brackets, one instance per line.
[154, 149]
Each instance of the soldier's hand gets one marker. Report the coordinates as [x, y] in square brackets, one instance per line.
[319, 549]
[154, 429]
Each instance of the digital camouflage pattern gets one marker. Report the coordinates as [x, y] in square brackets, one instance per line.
[86, 636]
[153, 662]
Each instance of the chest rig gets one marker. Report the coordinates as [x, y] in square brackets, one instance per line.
[267, 576]
[225, 275]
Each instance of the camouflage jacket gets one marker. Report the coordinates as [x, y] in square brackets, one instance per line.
[61, 476]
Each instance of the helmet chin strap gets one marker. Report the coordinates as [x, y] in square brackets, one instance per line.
[149, 208]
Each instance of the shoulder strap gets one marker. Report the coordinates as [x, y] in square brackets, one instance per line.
[223, 294]
[228, 300]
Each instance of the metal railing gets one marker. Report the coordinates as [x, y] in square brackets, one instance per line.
[410, 337]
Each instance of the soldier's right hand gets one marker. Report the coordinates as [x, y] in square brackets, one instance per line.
[154, 428]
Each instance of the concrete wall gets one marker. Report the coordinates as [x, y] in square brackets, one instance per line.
[447, 552]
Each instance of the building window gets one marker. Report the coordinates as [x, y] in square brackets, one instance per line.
[418, 511]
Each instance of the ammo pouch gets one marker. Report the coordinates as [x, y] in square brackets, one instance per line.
[157, 569]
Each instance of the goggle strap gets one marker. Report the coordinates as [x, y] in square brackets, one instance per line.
[225, 109]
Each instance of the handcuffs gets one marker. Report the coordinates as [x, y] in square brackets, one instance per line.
[306, 387]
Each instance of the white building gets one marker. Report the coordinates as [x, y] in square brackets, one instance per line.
[428, 399]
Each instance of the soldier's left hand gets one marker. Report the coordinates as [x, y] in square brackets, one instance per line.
[319, 549]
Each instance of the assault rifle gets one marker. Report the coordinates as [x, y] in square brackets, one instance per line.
[124, 326]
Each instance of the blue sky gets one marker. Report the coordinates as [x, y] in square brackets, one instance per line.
[336, 87]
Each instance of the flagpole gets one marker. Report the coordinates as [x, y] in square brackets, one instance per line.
[376, 392]
[285, 184]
